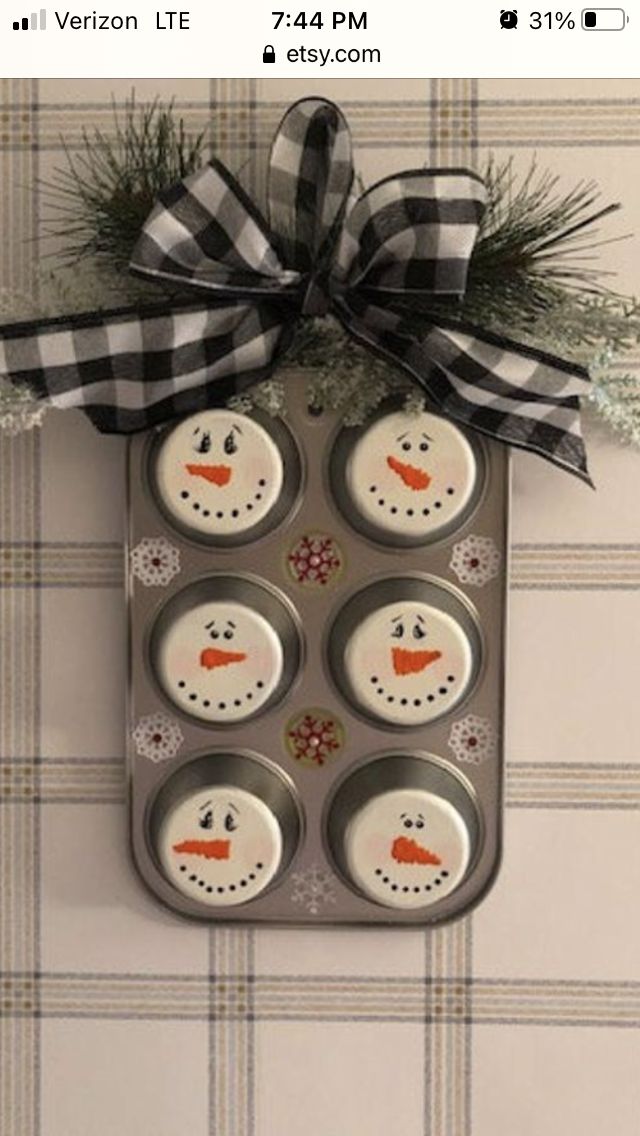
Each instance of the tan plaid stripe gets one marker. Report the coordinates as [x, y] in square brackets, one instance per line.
[20, 628]
[546, 785]
[55, 564]
[231, 1046]
[448, 1028]
[578, 567]
[71, 781]
[446, 1004]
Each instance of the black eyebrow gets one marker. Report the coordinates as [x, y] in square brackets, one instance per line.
[418, 616]
[402, 436]
[234, 427]
[231, 624]
[207, 626]
[396, 618]
[232, 806]
[429, 439]
[204, 806]
[197, 430]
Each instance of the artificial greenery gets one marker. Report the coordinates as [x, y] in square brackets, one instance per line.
[533, 274]
[98, 203]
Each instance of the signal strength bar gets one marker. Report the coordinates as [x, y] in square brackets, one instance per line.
[32, 23]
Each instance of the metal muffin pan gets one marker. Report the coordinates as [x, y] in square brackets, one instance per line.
[319, 806]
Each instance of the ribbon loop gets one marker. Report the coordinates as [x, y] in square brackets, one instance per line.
[310, 178]
[414, 233]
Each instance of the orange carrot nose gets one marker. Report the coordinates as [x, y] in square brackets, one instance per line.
[216, 474]
[407, 851]
[213, 657]
[210, 849]
[412, 662]
[412, 476]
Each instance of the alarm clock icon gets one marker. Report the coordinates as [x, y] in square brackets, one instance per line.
[508, 18]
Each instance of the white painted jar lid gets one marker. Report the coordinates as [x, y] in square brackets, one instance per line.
[408, 662]
[219, 661]
[411, 475]
[220, 845]
[407, 848]
[218, 473]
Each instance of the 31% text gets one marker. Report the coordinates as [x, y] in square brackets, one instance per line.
[552, 20]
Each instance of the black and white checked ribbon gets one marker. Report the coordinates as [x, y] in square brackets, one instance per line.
[324, 250]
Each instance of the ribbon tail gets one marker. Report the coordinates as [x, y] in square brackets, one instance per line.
[132, 368]
[506, 390]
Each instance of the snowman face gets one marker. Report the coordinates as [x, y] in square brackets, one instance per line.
[220, 845]
[408, 663]
[221, 661]
[219, 472]
[411, 475]
[407, 848]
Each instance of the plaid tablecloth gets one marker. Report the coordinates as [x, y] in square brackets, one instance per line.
[118, 1019]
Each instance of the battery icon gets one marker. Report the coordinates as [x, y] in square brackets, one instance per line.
[604, 19]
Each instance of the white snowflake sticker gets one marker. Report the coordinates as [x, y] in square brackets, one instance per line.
[475, 560]
[313, 888]
[157, 737]
[155, 561]
[473, 739]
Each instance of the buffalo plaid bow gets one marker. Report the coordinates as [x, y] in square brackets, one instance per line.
[366, 260]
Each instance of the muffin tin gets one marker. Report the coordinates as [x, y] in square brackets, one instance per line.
[316, 665]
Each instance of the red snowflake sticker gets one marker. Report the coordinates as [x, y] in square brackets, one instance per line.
[315, 560]
[314, 737]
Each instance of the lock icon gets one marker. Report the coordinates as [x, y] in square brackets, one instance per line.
[268, 55]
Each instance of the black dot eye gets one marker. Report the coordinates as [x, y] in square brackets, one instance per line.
[230, 444]
[419, 632]
[398, 631]
[228, 634]
[206, 821]
[203, 444]
[406, 447]
[424, 446]
[230, 823]
[214, 634]
[408, 823]
[419, 824]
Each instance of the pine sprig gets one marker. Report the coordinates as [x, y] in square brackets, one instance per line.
[99, 202]
[535, 246]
